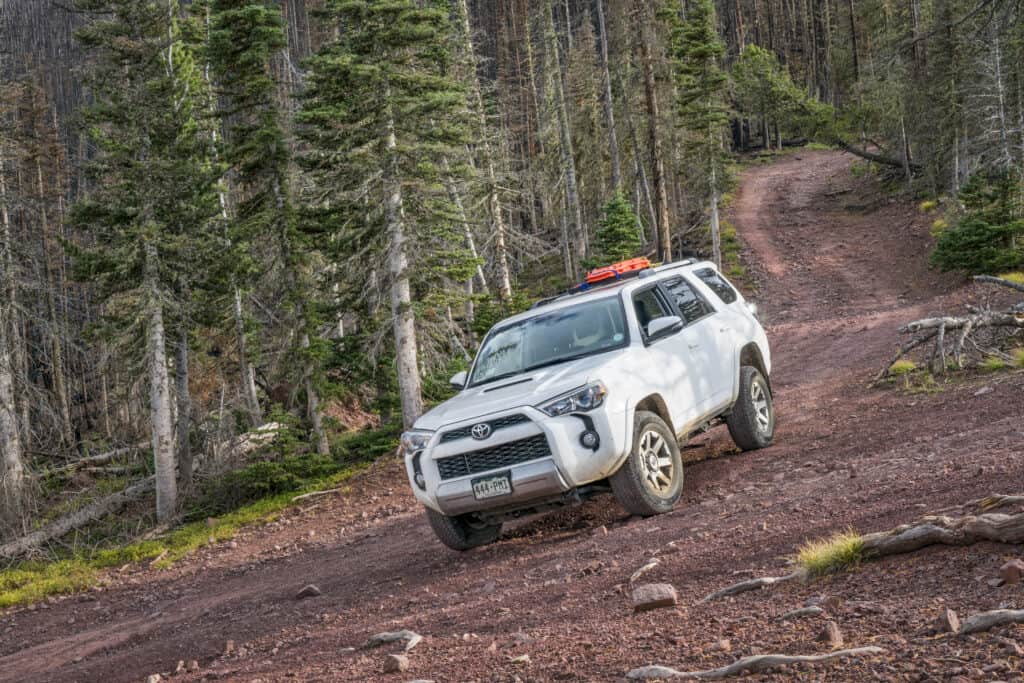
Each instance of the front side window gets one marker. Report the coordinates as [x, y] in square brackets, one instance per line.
[717, 284]
[648, 306]
[692, 305]
[550, 338]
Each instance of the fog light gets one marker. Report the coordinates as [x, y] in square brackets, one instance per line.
[420, 481]
[590, 439]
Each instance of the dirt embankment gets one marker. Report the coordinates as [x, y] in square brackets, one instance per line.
[840, 266]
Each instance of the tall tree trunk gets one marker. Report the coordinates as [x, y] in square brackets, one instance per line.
[609, 103]
[575, 230]
[162, 432]
[494, 207]
[663, 229]
[323, 446]
[406, 354]
[184, 402]
[853, 42]
[716, 228]
[247, 374]
[12, 467]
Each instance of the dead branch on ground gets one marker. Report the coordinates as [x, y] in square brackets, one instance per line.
[750, 665]
[752, 585]
[985, 621]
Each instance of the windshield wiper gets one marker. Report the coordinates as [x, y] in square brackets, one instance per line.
[556, 361]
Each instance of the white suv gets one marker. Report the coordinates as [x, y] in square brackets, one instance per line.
[589, 391]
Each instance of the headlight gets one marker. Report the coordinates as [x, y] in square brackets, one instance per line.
[413, 441]
[578, 400]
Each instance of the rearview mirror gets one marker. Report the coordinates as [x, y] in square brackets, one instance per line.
[664, 325]
[458, 380]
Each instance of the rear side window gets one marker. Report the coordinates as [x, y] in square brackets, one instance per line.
[717, 284]
[692, 305]
[648, 307]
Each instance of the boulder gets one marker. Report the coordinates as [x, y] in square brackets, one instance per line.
[396, 664]
[1012, 572]
[654, 595]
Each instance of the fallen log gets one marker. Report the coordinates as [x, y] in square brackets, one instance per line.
[986, 621]
[750, 665]
[92, 511]
[1000, 281]
[942, 530]
[752, 585]
[877, 158]
[98, 459]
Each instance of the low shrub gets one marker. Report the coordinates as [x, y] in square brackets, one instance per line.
[830, 555]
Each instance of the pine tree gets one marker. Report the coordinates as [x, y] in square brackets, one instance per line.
[616, 238]
[990, 236]
[381, 116]
[245, 35]
[700, 106]
[153, 194]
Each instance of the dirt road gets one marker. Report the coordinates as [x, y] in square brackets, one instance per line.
[840, 267]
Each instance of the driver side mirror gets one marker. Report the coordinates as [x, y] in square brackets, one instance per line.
[458, 380]
[664, 325]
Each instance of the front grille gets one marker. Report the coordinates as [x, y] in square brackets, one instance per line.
[495, 457]
[496, 424]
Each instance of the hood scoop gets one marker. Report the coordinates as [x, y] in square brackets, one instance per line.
[509, 384]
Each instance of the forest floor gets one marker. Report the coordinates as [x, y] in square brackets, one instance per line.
[840, 264]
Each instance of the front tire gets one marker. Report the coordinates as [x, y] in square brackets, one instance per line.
[460, 533]
[752, 420]
[650, 481]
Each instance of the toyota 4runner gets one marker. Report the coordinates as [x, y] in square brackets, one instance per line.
[590, 391]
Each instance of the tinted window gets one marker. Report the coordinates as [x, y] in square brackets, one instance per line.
[648, 307]
[692, 305]
[718, 285]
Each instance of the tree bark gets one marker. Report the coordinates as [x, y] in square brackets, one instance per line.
[323, 446]
[12, 465]
[246, 371]
[575, 230]
[609, 103]
[406, 354]
[662, 231]
[184, 402]
[716, 228]
[162, 432]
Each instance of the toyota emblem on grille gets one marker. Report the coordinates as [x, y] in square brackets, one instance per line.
[480, 431]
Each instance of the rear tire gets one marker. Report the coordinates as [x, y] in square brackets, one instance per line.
[459, 533]
[752, 420]
[650, 481]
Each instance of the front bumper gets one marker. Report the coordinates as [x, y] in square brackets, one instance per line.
[568, 464]
[530, 481]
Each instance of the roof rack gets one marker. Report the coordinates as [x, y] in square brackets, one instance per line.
[613, 275]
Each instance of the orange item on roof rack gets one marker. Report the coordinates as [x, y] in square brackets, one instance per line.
[617, 270]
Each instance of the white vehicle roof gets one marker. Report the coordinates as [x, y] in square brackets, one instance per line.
[613, 288]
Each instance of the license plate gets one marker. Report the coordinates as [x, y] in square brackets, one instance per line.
[493, 486]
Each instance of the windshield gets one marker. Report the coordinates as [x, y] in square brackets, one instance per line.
[550, 338]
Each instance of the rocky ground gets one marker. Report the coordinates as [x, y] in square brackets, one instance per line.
[841, 265]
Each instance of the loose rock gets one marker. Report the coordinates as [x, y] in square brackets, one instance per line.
[1012, 571]
[154, 678]
[831, 635]
[396, 664]
[309, 591]
[654, 595]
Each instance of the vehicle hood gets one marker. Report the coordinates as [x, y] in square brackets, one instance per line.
[528, 389]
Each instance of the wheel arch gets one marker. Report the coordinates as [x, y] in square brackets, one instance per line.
[751, 355]
[653, 403]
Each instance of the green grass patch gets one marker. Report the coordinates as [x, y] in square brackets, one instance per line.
[993, 364]
[262, 490]
[1017, 276]
[902, 367]
[830, 555]
[1018, 358]
[927, 206]
[939, 226]
[819, 146]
